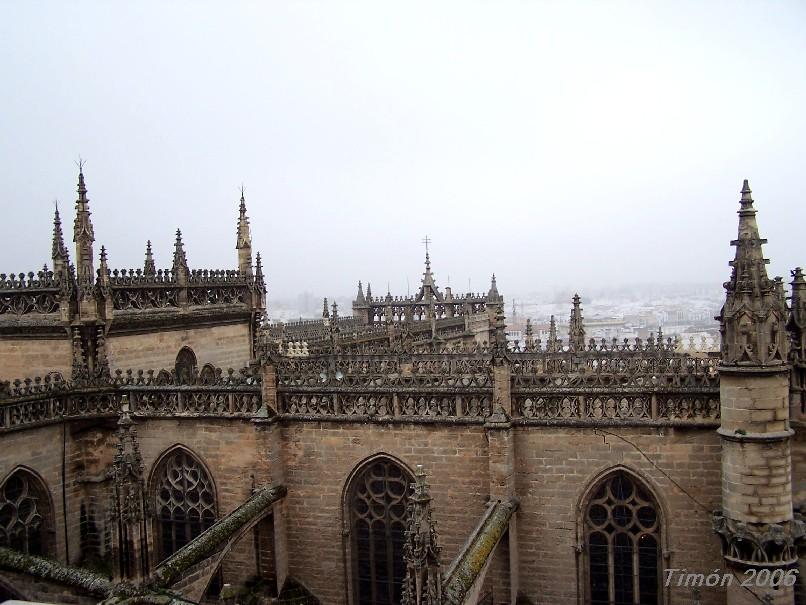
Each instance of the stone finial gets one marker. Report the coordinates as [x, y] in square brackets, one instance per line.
[754, 313]
[369, 292]
[244, 239]
[150, 268]
[83, 234]
[493, 293]
[421, 551]
[552, 343]
[576, 329]
[60, 256]
[180, 260]
[325, 310]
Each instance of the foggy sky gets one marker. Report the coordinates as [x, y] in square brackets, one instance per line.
[553, 143]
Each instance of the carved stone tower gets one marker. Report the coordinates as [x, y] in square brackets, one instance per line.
[756, 522]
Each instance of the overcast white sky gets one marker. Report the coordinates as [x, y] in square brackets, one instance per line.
[555, 143]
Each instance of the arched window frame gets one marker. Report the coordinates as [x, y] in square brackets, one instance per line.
[583, 501]
[157, 545]
[186, 365]
[45, 507]
[350, 561]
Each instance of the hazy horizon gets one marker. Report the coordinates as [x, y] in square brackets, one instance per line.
[559, 145]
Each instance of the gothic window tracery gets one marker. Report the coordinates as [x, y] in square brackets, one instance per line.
[185, 365]
[377, 507]
[24, 514]
[622, 529]
[185, 501]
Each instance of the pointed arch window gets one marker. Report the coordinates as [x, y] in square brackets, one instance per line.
[25, 514]
[377, 508]
[622, 537]
[185, 501]
[185, 365]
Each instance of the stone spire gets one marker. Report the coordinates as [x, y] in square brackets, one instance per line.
[244, 240]
[103, 268]
[83, 235]
[369, 292]
[576, 329]
[61, 257]
[359, 299]
[493, 293]
[325, 310]
[530, 335]
[552, 344]
[428, 289]
[180, 260]
[753, 316]
[421, 551]
[150, 267]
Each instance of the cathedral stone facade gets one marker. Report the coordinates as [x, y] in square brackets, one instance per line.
[163, 442]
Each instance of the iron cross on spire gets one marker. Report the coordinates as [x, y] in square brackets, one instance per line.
[426, 240]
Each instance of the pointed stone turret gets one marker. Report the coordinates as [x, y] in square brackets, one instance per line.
[325, 309]
[150, 268]
[553, 343]
[369, 292]
[576, 329]
[428, 287]
[753, 316]
[361, 309]
[244, 240]
[83, 236]
[493, 294]
[421, 551]
[756, 523]
[60, 256]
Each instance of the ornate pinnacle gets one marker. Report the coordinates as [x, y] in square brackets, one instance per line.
[325, 311]
[59, 249]
[493, 293]
[359, 299]
[576, 329]
[83, 233]
[150, 267]
[180, 260]
[244, 234]
[754, 312]
[369, 291]
[421, 551]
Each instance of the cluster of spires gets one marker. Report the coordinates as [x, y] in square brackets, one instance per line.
[84, 238]
[429, 291]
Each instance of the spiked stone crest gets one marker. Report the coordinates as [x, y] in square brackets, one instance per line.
[754, 314]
